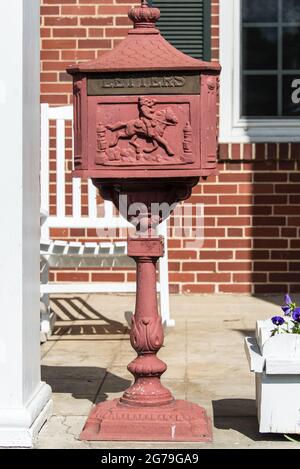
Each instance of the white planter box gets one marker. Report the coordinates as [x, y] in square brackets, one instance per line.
[276, 363]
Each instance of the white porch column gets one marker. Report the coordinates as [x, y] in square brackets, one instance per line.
[24, 400]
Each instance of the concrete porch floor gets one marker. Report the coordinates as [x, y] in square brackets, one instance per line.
[85, 363]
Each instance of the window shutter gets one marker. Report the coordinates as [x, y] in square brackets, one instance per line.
[186, 25]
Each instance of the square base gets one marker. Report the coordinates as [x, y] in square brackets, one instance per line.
[179, 421]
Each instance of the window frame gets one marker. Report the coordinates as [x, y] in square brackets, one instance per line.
[234, 128]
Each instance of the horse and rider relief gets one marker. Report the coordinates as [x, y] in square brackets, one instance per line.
[159, 134]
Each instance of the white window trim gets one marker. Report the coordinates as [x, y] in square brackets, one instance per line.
[232, 127]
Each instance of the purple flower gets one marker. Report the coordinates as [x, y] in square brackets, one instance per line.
[287, 299]
[278, 320]
[296, 314]
[288, 307]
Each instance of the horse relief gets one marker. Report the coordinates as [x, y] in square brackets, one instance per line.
[147, 143]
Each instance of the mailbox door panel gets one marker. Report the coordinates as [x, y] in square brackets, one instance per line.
[138, 133]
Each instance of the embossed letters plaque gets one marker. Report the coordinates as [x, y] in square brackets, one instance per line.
[137, 83]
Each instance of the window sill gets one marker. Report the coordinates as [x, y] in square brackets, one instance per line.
[262, 131]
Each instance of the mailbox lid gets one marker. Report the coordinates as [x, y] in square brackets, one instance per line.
[144, 49]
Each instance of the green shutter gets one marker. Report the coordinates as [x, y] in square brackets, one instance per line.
[186, 25]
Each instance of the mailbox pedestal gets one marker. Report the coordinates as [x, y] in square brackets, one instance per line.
[145, 128]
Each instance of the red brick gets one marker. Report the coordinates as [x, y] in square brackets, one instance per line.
[267, 221]
[234, 266]
[288, 188]
[72, 277]
[250, 277]
[291, 255]
[45, 32]
[181, 277]
[289, 232]
[108, 277]
[223, 151]
[97, 21]
[247, 151]
[116, 32]
[236, 199]
[254, 254]
[236, 151]
[216, 254]
[57, 2]
[50, 55]
[269, 288]
[293, 221]
[77, 232]
[54, 88]
[96, 2]
[77, 55]
[61, 21]
[234, 243]
[260, 151]
[59, 44]
[78, 10]
[294, 177]
[54, 65]
[270, 177]
[214, 232]
[233, 221]
[238, 232]
[220, 189]
[270, 266]
[235, 177]
[182, 254]
[47, 76]
[270, 199]
[219, 210]
[49, 10]
[295, 243]
[282, 277]
[94, 44]
[283, 150]
[113, 10]
[196, 288]
[271, 151]
[95, 32]
[198, 266]
[294, 199]
[123, 21]
[234, 288]
[256, 210]
[69, 32]
[59, 233]
[174, 289]
[286, 165]
[295, 151]
[287, 210]
[213, 277]
[54, 99]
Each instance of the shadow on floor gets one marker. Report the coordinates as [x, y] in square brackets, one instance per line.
[245, 332]
[240, 415]
[83, 382]
[76, 309]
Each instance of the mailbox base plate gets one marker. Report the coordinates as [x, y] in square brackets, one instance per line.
[178, 421]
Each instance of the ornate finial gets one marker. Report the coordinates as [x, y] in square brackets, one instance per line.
[144, 16]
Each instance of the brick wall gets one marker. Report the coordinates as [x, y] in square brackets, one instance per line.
[252, 210]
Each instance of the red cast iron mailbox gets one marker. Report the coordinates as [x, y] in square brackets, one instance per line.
[145, 127]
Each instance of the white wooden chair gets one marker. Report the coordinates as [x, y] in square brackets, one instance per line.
[70, 254]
